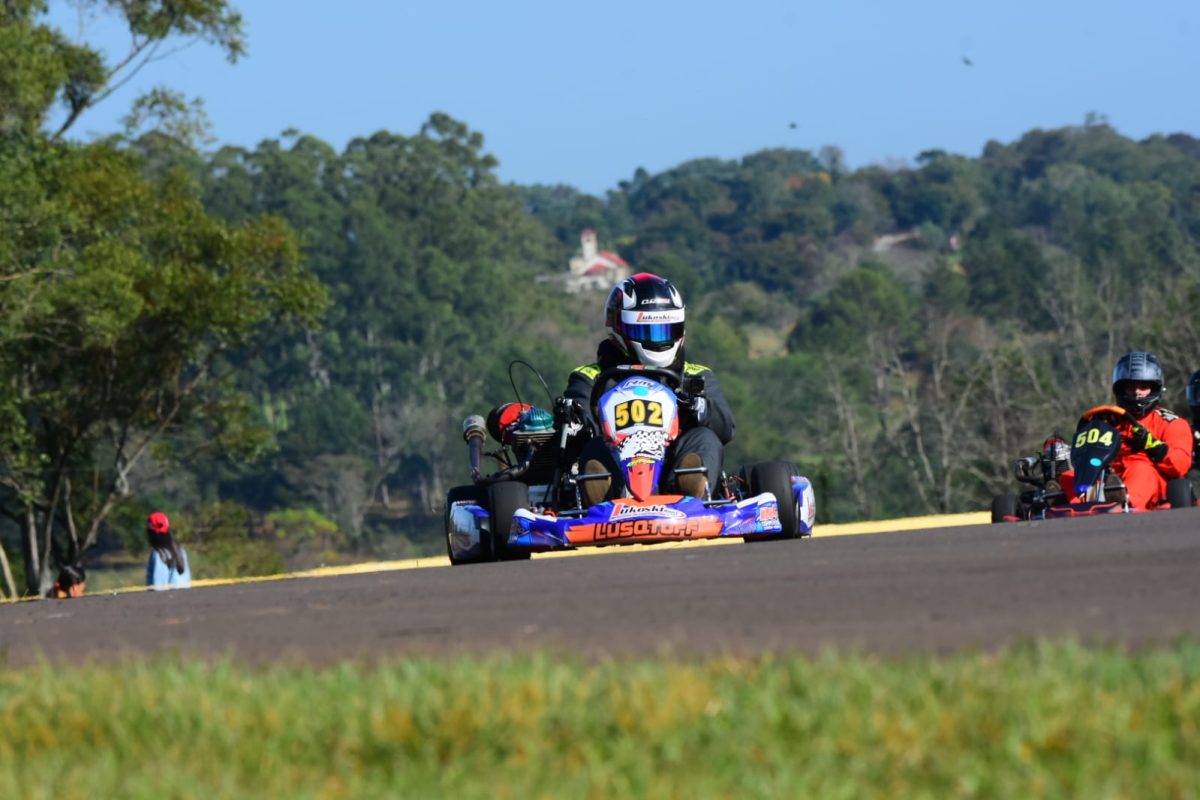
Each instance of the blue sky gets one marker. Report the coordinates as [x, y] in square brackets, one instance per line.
[584, 94]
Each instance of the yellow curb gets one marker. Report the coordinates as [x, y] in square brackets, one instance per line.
[906, 524]
[842, 529]
[326, 572]
[845, 529]
[371, 566]
[319, 572]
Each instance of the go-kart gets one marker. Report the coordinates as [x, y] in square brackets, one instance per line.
[534, 502]
[1095, 489]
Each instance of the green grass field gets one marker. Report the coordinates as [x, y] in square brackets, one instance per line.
[1036, 721]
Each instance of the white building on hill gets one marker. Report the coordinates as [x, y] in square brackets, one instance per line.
[593, 268]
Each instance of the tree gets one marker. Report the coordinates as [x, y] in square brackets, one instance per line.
[432, 266]
[119, 333]
[121, 295]
[151, 23]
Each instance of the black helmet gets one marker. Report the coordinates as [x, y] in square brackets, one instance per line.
[1193, 390]
[1133, 368]
[645, 316]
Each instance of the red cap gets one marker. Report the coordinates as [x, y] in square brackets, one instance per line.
[158, 523]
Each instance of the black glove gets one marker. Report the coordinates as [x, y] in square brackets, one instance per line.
[694, 409]
[1142, 440]
[567, 410]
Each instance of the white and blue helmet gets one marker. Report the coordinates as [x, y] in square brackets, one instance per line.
[645, 315]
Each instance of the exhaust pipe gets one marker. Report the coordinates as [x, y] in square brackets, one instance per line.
[474, 433]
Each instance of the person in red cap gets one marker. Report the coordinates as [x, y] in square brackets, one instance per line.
[168, 566]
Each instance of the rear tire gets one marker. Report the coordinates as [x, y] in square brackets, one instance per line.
[457, 494]
[504, 498]
[1003, 506]
[775, 477]
[1181, 493]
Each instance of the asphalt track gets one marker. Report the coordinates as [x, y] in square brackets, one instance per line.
[1125, 579]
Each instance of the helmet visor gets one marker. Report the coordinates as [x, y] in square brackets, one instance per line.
[652, 335]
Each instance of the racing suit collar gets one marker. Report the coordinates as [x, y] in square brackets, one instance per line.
[610, 354]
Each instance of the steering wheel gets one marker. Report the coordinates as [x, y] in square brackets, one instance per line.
[668, 377]
[1113, 414]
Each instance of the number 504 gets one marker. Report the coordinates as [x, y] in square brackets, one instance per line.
[1092, 436]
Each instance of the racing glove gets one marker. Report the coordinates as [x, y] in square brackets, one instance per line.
[1142, 440]
[567, 410]
[695, 409]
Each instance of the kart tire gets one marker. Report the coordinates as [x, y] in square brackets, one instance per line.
[455, 495]
[1003, 506]
[776, 477]
[1181, 493]
[504, 498]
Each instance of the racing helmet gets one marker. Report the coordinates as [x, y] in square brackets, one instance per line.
[644, 315]
[1056, 457]
[1137, 367]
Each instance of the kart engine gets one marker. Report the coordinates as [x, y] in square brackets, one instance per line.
[525, 429]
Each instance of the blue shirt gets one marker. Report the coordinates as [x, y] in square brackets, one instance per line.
[160, 577]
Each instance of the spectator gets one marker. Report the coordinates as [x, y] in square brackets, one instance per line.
[168, 566]
[71, 582]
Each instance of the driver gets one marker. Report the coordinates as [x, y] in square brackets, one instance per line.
[644, 316]
[1158, 445]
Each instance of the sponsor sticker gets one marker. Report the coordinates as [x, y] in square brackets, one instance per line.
[624, 510]
[644, 383]
[628, 529]
[768, 513]
[659, 316]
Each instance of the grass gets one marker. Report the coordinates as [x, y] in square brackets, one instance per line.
[1049, 720]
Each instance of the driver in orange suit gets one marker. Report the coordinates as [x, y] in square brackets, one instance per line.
[1157, 447]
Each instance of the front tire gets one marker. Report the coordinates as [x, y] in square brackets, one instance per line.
[458, 494]
[775, 477]
[504, 498]
[1181, 493]
[1005, 506]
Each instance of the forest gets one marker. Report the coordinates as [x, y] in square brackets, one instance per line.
[277, 345]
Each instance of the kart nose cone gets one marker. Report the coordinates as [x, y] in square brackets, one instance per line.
[641, 481]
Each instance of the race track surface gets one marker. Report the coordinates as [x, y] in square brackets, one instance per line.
[1131, 579]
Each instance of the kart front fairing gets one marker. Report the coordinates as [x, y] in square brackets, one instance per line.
[640, 419]
[656, 519]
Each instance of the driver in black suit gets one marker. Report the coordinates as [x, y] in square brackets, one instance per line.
[645, 318]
